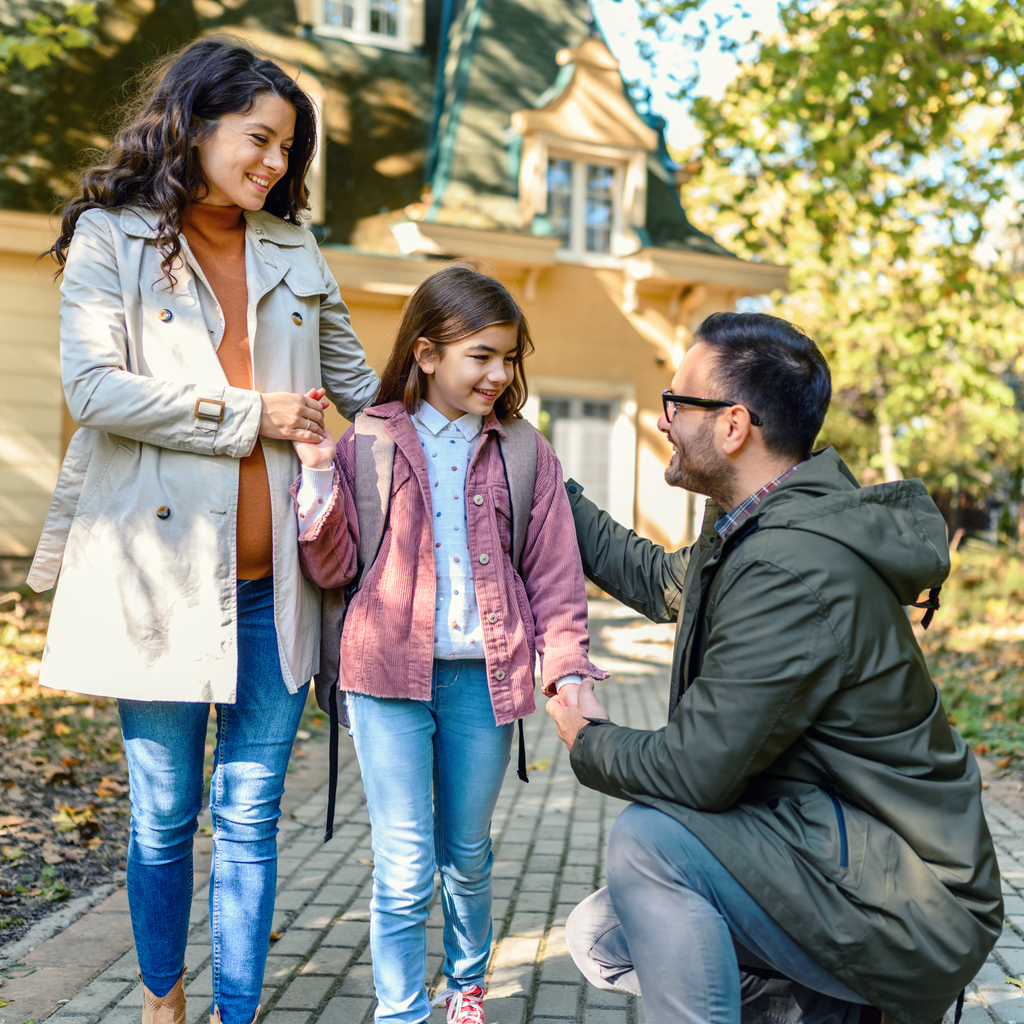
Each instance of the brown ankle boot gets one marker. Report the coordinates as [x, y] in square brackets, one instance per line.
[215, 1016]
[168, 1009]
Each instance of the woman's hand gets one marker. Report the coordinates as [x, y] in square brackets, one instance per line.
[317, 456]
[290, 417]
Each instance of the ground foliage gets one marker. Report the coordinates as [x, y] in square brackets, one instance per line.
[975, 652]
[875, 148]
[64, 805]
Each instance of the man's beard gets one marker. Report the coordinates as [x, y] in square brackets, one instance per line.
[698, 467]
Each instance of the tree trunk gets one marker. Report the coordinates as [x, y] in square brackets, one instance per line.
[890, 468]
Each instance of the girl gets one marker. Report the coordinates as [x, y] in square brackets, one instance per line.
[197, 318]
[437, 653]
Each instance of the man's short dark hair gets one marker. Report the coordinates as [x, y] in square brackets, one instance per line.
[774, 369]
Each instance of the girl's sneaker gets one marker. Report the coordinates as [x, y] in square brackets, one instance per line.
[463, 1007]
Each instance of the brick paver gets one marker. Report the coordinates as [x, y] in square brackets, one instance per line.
[549, 840]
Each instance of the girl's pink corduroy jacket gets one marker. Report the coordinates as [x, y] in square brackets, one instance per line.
[387, 649]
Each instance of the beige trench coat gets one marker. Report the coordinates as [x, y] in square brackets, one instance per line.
[142, 525]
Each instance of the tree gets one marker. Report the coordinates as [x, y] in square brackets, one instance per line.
[875, 148]
[36, 40]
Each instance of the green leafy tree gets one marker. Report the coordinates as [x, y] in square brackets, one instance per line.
[38, 39]
[875, 148]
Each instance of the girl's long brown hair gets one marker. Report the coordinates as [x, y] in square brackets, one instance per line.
[152, 162]
[449, 306]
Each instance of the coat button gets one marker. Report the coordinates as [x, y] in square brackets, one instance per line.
[492, 617]
[484, 559]
[572, 489]
[166, 316]
[297, 319]
[478, 499]
[163, 512]
[499, 675]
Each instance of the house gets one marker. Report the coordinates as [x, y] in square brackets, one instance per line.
[493, 130]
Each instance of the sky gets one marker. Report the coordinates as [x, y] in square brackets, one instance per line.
[620, 22]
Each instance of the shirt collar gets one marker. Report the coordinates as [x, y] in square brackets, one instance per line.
[728, 521]
[427, 417]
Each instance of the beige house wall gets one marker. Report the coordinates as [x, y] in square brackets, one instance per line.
[31, 402]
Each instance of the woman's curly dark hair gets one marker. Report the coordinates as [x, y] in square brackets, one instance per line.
[152, 162]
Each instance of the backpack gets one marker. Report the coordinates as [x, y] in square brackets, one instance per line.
[374, 462]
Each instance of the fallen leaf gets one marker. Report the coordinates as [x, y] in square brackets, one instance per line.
[1004, 762]
[539, 766]
[7, 820]
[1014, 981]
[274, 936]
[12, 853]
[53, 854]
[109, 787]
[61, 728]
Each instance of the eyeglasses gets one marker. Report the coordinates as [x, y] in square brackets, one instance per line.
[672, 402]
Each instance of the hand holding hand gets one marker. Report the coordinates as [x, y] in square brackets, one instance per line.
[291, 417]
[571, 719]
[317, 456]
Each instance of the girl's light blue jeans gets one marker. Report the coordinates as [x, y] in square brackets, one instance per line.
[164, 744]
[431, 772]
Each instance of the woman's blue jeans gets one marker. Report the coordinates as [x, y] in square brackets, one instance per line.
[432, 772]
[164, 744]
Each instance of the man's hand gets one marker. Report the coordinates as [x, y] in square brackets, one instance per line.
[571, 719]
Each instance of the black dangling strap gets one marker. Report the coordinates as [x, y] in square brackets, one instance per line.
[959, 1006]
[522, 755]
[332, 769]
[932, 604]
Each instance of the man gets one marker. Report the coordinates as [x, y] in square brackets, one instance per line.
[806, 837]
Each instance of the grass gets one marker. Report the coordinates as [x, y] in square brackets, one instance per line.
[975, 650]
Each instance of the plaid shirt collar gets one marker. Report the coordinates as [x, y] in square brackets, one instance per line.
[728, 521]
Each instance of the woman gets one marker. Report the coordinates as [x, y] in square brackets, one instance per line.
[198, 320]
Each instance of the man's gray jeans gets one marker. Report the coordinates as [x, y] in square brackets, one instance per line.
[674, 927]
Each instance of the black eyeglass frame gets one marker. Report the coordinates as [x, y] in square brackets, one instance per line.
[670, 401]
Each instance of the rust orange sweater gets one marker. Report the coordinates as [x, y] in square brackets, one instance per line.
[216, 235]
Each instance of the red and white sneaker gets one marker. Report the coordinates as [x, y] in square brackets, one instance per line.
[463, 1007]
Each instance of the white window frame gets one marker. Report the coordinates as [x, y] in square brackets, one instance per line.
[577, 245]
[630, 194]
[409, 32]
[622, 460]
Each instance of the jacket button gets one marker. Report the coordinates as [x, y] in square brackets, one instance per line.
[484, 559]
[500, 674]
[163, 512]
[572, 489]
[478, 499]
[166, 316]
[492, 617]
[297, 319]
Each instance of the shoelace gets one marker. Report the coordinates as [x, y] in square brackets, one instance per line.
[463, 1007]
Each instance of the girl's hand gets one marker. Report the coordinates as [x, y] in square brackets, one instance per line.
[317, 456]
[569, 695]
[291, 417]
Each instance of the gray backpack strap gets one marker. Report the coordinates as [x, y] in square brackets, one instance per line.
[374, 462]
[519, 454]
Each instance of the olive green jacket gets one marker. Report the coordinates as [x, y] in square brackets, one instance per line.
[806, 744]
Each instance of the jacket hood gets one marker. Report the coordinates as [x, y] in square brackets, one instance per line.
[894, 527]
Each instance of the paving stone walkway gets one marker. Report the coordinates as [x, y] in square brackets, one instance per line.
[549, 839]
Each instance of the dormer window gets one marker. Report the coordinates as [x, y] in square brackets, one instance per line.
[394, 24]
[583, 160]
[584, 204]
